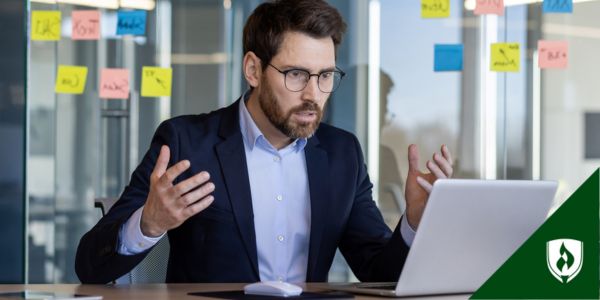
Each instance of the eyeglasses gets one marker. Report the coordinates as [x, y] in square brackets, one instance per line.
[297, 79]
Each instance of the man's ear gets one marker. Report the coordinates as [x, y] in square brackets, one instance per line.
[252, 69]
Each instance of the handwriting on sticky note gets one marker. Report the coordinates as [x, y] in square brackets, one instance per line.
[156, 82]
[448, 57]
[435, 8]
[131, 22]
[114, 83]
[494, 7]
[45, 25]
[553, 54]
[85, 25]
[506, 57]
[70, 79]
[557, 6]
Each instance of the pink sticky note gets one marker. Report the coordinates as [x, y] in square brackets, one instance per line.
[485, 7]
[86, 25]
[114, 83]
[553, 54]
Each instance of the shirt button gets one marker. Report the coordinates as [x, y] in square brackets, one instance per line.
[280, 238]
[141, 245]
[279, 197]
[275, 159]
[279, 278]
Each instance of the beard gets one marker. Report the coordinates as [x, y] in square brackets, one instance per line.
[283, 120]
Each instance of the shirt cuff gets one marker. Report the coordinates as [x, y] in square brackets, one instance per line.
[408, 234]
[131, 239]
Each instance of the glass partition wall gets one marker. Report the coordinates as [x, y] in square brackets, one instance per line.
[530, 124]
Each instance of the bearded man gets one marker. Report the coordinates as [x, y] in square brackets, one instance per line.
[262, 190]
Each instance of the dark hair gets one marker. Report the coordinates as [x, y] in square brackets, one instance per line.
[264, 29]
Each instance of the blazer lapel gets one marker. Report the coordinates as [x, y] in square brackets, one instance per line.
[232, 159]
[317, 165]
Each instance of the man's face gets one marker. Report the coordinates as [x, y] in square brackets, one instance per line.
[296, 114]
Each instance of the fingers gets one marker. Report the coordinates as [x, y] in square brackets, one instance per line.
[175, 171]
[443, 164]
[447, 155]
[197, 194]
[191, 183]
[161, 162]
[435, 169]
[198, 206]
[413, 158]
[424, 184]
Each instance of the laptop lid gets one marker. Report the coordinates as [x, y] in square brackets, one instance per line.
[468, 230]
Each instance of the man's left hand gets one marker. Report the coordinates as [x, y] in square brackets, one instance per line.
[419, 184]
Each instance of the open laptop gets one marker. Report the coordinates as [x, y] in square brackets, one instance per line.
[468, 230]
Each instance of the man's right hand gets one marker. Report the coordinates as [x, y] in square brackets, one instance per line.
[168, 205]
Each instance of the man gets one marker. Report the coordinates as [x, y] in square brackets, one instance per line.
[260, 190]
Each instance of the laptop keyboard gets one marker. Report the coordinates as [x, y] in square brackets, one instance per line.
[377, 285]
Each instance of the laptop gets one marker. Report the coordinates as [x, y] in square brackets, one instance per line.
[468, 230]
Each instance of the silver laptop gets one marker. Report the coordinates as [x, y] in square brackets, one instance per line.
[468, 230]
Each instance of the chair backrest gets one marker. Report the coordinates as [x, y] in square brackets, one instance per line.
[153, 269]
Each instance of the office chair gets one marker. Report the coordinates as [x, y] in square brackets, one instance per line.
[395, 189]
[153, 269]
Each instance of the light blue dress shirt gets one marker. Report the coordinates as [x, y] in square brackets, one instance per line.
[280, 203]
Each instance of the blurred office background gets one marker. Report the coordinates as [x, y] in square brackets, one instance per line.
[60, 152]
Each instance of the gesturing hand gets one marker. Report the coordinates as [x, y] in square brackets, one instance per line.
[168, 205]
[419, 185]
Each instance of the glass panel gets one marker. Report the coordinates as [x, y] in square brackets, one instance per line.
[569, 101]
[418, 106]
[83, 147]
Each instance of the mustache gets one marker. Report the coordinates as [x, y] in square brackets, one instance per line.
[306, 106]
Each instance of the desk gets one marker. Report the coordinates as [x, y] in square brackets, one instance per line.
[166, 291]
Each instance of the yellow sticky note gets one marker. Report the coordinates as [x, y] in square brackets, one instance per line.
[156, 82]
[70, 79]
[45, 25]
[435, 8]
[506, 57]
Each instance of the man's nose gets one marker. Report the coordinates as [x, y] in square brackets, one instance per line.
[311, 91]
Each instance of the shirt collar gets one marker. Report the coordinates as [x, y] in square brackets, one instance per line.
[250, 132]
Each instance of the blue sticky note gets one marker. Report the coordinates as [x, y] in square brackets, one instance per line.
[557, 6]
[131, 22]
[448, 58]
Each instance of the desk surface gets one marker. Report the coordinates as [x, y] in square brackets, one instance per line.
[165, 291]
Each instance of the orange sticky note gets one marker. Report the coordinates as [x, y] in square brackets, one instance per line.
[114, 83]
[489, 7]
[45, 25]
[553, 54]
[86, 25]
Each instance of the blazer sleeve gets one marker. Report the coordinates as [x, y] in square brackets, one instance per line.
[372, 250]
[97, 259]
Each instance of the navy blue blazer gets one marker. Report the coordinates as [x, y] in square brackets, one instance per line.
[219, 243]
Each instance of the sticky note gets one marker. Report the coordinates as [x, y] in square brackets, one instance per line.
[70, 79]
[553, 54]
[45, 25]
[448, 58]
[506, 57]
[435, 8]
[85, 24]
[114, 83]
[131, 22]
[557, 6]
[156, 82]
[489, 7]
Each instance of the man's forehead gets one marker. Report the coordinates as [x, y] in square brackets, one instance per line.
[301, 50]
